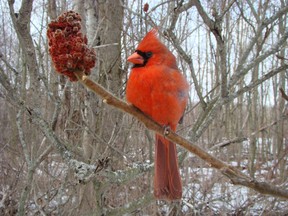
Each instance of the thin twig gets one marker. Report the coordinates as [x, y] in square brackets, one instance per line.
[283, 94]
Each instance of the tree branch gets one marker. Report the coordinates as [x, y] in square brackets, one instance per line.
[215, 27]
[189, 61]
[243, 67]
[257, 82]
[228, 142]
[22, 28]
[236, 176]
[283, 94]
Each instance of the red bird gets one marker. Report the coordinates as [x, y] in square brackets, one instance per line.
[158, 89]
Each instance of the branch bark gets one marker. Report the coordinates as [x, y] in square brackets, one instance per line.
[283, 94]
[22, 28]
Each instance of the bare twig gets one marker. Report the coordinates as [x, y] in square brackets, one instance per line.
[105, 45]
[283, 94]
[243, 67]
[189, 61]
[8, 64]
[257, 82]
[215, 27]
[228, 142]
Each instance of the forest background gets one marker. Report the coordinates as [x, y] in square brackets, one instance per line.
[64, 151]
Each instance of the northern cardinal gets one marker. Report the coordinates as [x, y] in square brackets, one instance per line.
[157, 88]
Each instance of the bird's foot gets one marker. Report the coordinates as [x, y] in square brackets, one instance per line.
[167, 130]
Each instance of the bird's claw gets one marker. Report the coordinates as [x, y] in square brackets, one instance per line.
[167, 130]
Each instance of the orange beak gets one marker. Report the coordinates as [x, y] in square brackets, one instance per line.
[135, 58]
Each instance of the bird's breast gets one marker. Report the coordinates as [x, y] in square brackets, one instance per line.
[159, 91]
[138, 90]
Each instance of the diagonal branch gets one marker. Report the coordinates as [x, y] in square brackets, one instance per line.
[283, 94]
[236, 176]
[257, 82]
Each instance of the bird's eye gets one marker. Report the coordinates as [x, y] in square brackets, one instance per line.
[148, 54]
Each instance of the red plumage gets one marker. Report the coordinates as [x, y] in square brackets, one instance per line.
[157, 88]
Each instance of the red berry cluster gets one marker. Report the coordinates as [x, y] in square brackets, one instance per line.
[146, 7]
[68, 47]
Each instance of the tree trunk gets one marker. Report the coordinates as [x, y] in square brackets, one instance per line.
[281, 151]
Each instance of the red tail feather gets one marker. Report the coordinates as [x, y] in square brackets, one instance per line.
[167, 180]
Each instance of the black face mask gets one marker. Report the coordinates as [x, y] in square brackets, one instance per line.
[145, 56]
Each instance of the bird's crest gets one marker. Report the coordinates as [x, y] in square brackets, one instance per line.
[161, 54]
[151, 41]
